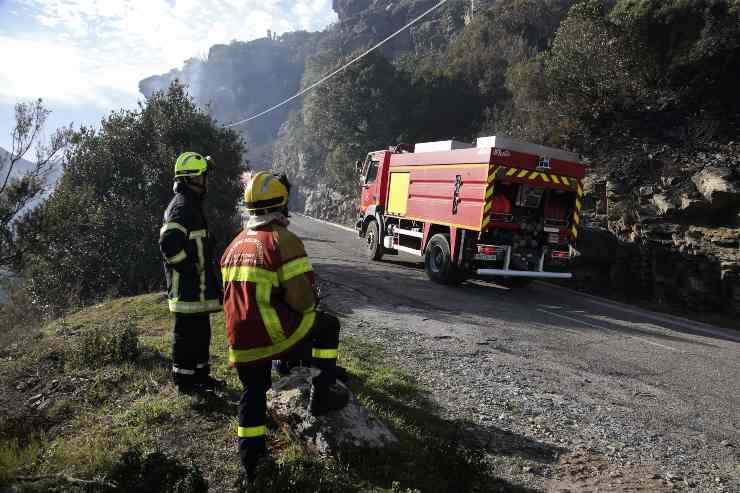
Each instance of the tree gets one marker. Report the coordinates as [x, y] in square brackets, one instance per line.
[512, 32]
[639, 67]
[101, 225]
[21, 182]
[686, 50]
[360, 109]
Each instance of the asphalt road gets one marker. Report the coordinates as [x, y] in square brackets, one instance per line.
[670, 376]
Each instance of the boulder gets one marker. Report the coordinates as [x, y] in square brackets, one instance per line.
[718, 186]
[690, 206]
[664, 204]
[597, 246]
[352, 426]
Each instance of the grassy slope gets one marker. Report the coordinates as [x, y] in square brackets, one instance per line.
[74, 401]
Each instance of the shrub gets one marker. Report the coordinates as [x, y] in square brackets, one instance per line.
[19, 316]
[114, 343]
[14, 456]
[156, 472]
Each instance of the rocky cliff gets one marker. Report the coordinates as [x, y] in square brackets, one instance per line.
[665, 224]
[242, 79]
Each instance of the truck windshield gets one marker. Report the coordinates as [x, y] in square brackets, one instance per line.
[372, 171]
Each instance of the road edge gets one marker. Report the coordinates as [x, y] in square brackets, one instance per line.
[340, 226]
[699, 328]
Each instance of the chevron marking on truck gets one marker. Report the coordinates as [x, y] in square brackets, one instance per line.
[492, 174]
[577, 212]
[499, 171]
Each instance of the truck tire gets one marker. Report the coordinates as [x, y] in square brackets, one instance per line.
[438, 262]
[372, 237]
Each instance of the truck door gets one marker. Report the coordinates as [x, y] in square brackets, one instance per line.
[370, 182]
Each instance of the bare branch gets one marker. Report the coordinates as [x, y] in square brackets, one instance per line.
[68, 479]
[30, 119]
[18, 190]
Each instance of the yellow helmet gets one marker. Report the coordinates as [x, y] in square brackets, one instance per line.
[192, 164]
[265, 192]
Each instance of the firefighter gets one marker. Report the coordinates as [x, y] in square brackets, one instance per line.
[270, 313]
[193, 290]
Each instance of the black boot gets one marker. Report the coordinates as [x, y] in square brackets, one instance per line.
[324, 399]
[261, 466]
[185, 383]
[205, 381]
[210, 383]
[326, 395]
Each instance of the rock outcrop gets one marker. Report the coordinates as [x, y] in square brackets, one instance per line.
[718, 186]
[351, 426]
[674, 219]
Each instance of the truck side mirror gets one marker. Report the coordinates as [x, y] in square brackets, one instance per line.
[358, 166]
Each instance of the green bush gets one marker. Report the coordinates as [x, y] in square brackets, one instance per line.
[14, 456]
[114, 343]
[307, 475]
[19, 317]
[156, 472]
[137, 471]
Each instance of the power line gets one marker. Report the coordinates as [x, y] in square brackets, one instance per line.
[327, 77]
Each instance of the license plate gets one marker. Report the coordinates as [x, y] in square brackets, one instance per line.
[484, 257]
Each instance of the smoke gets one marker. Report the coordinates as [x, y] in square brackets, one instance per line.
[192, 75]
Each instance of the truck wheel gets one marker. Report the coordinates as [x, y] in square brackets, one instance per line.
[438, 262]
[372, 237]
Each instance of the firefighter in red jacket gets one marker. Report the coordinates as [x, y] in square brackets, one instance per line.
[193, 290]
[270, 313]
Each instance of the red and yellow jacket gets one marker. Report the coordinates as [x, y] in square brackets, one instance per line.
[268, 293]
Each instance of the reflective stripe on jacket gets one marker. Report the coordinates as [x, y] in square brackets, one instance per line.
[192, 285]
[268, 293]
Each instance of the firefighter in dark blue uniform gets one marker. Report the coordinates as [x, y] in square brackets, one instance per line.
[193, 290]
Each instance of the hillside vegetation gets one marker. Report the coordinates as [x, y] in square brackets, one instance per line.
[87, 405]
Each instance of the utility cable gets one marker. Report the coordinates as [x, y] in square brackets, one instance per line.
[327, 77]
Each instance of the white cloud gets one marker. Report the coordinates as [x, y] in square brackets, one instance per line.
[94, 51]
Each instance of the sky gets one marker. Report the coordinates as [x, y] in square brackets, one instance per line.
[85, 58]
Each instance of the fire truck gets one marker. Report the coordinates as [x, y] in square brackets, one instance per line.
[499, 207]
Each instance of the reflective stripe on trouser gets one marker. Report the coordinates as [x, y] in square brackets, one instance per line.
[325, 341]
[256, 381]
[194, 307]
[324, 353]
[251, 431]
[190, 347]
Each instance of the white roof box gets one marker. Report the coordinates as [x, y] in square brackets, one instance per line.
[503, 142]
[442, 145]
